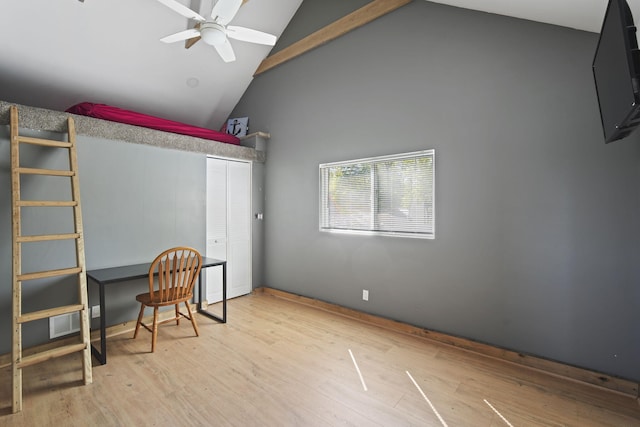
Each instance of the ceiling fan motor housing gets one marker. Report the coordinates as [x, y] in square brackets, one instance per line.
[213, 33]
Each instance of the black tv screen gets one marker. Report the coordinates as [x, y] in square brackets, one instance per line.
[615, 70]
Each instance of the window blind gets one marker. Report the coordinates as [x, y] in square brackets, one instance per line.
[381, 195]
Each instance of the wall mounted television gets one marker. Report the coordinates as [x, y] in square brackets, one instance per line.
[616, 67]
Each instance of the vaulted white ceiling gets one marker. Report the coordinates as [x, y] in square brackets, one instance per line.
[579, 14]
[108, 51]
[54, 54]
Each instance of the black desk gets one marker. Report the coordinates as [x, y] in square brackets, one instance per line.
[104, 276]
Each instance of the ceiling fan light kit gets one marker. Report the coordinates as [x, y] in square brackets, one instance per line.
[214, 31]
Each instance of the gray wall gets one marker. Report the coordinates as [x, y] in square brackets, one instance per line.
[537, 220]
[258, 192]
[137, 200]
[312, 16]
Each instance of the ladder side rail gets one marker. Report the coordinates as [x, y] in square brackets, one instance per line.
[16, 327]
[80, 257]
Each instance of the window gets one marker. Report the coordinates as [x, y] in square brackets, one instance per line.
[389, 195]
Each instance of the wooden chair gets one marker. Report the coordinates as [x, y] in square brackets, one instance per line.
[177, 270]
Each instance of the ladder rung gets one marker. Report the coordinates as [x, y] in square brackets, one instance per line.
[50, 312]
[47, 237]
[49, 273]
[45, 142]
[48, 203]
[52, 172]
[50, 354]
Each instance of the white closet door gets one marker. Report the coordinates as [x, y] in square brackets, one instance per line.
[228, 226]
[239, 228]
[216, 224]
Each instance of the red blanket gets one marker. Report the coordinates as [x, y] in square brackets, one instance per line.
[114, 114]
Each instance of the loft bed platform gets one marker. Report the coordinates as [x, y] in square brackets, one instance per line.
[55, 121]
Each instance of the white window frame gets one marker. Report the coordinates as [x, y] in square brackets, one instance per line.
[324, 196]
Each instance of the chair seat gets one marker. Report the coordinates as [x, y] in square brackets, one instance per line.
[148, 301]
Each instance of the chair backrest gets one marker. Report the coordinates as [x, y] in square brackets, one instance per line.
[177, 270]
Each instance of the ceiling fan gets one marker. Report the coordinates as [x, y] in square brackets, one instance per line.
[215, 31]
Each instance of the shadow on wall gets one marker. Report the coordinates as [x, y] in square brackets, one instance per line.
[5, 246]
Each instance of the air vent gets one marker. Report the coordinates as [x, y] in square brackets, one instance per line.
[64, 324]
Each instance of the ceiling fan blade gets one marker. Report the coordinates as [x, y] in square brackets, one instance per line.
[182, 10]
[190, 42]
[249, 35]
[225, 10]
[182, 35]
[225, 51]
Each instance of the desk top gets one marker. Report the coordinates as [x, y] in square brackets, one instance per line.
[135, 271]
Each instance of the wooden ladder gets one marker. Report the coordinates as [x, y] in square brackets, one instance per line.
[18, 360]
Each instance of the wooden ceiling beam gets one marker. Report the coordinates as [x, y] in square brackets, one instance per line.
[342, 26]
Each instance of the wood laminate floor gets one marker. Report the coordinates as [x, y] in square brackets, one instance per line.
[280, 363]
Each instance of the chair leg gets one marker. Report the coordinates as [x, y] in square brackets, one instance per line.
[154, 329]
[177, 314]
[139, 322]
[192, 318]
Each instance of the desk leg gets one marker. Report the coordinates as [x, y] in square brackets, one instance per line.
[224, 293]
[222, 319]
[199, 302]
[102, 354]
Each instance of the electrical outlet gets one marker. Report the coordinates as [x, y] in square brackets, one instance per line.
[95, 311]
[365, 295]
